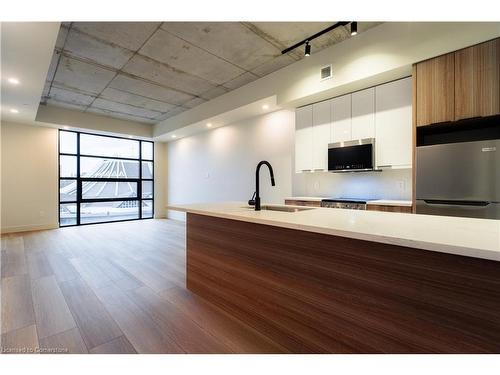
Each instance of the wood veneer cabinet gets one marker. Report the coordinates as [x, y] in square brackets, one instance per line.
[436, 90]
[459, 85]
[477, 80]
[318, 293]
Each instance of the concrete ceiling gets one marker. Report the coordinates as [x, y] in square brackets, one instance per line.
[148, 72]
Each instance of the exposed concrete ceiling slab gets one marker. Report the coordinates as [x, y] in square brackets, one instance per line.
[232, 41]
[171, 113]
[165, 75]
[131, 35]
[52, 67]
[90, 48]
[273, 65]
[82, 76]
[61, 37]
[194, 102]
[152, 70]
[119, 115]
[241, 80]
[70, 97]
[213, 93]
[149, 90]
[72, 106]
[125, 97]
[124, 108]
[173, 51]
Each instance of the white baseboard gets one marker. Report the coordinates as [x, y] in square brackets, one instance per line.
[27, 228]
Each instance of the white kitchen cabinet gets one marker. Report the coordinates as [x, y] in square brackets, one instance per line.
[303, 139]
[363, 114]
[341, 118]
[393, 124]
[321, 114]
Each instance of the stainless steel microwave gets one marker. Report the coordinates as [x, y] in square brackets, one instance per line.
[352, 156]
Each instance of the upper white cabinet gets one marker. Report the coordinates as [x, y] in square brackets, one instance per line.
[383, 112]
[303, 139]
[321, 135]
[393, 124]
[363, 114]
[341, 119]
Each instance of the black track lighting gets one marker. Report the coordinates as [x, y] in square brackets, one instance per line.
[308, 49]
[354, 28]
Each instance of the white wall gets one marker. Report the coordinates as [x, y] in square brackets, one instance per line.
[29, 177]
[219, 165]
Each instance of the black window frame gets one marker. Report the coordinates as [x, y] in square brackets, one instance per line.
[79, 180]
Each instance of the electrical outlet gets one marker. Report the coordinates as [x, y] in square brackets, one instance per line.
[42, 213]
[316, 185]
[207, 175]
[401, 185]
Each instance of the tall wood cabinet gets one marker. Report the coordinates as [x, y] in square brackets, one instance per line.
[477, 78]
[459, 85]
[436, 90]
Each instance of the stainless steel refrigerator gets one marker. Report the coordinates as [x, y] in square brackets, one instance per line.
[459, 179]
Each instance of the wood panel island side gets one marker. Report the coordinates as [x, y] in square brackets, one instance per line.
[312, 286]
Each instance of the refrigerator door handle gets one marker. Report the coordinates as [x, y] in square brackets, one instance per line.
[471, 204]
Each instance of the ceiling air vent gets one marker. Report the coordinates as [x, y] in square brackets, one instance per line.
[326, 72]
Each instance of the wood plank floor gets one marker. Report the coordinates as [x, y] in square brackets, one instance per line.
[111, 288]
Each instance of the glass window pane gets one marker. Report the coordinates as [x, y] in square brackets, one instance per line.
[67, 190]
[108, 168]
[107, 146]
[67, 166]
[147, 209]
[67, 142]
[108, 211]
[147, 150]
[147, 169]
[67, 213]
[147, 189]
[109, 189]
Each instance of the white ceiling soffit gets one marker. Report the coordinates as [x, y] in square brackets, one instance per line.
[151, 71]
[260, 107]
[26, 51]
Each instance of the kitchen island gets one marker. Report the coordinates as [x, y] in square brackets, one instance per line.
[328, 280]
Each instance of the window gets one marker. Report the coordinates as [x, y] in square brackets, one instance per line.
[104, 178]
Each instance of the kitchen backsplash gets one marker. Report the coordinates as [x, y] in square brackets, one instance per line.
[388, 184]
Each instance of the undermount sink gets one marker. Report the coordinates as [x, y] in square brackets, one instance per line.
[268, 207]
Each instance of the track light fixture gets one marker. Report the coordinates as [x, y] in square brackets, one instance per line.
[354, 31]
[308, 49]
[354, 28]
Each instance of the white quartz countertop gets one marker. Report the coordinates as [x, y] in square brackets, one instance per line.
[479, 238]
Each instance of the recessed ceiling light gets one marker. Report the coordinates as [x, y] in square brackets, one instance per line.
[209, 125]
[13, 80]
[13, 110]
[265, 106]
[174, 136]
